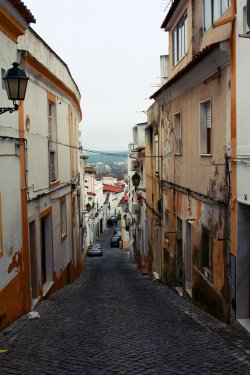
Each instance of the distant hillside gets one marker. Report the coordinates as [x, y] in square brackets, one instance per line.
[106, 157]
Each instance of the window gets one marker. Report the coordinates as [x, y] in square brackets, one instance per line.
[74, 143]
[1, 232]
[205, 127]
[52, 142]
[76, 146]
[63, 213]
[156, 154]
[179, 254]
[213, 9]
[177, 134]
[206, 248]
[180, 43]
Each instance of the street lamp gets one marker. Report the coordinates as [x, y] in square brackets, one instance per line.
[88, 207]
[136, 180]
[15, 81]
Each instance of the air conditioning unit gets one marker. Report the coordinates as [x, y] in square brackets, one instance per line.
[134, 165]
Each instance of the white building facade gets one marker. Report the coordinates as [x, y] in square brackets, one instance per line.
[240, 259]
[40, 204]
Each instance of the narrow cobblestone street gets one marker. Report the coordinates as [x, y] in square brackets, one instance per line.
[113, 320]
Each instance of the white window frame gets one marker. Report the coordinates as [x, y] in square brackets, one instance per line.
[212, 10]
[177, 134]
[205, 127]
[180, 39]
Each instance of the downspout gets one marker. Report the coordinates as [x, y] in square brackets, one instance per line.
[233, 216]
[228, 19]
[25, 269]
[231, 19]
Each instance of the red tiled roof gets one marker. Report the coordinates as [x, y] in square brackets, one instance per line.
[23, 10]
[119, 183]
[89, 169]
[124, 199]
[91, 194]
[113, 189]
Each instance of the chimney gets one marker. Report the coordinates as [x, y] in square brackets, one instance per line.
[164, 59]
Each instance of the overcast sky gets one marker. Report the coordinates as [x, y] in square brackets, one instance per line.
[112, 49]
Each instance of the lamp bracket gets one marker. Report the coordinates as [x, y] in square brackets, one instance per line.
[9, 109]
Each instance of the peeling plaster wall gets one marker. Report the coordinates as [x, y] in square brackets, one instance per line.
[203, 174]
[11, 296]
[11, 212]
[153, 194]
[210, 291]
[193, 184]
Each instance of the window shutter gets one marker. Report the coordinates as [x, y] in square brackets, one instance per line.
[208, 115]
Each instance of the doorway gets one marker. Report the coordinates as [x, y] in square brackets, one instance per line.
[179, 256]
[46, 253]
[157, 252]
[243, 263]
[188, 260]
[33, 262]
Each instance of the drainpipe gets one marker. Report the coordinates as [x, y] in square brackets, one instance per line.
[233, 224]
[228, 19]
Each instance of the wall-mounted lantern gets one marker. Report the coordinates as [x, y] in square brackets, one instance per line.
[15, 81]
[136, 180]
[88, 207]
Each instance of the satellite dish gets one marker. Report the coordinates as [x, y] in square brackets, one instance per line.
[248, 13]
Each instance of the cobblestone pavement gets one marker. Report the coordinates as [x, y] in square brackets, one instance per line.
[113, 320]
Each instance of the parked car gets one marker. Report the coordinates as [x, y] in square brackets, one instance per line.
[94, 249]
[115, 241]
[114, 218]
